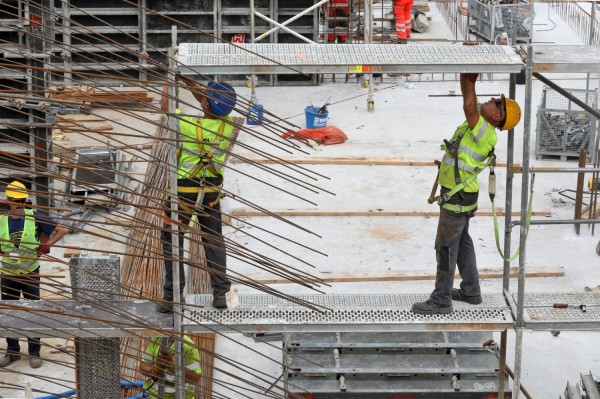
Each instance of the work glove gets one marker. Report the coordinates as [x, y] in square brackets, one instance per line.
[43, 249]
[166, 361]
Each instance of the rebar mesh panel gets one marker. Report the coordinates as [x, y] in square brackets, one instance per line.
[563, 126]
[211, 57]
[336, 312]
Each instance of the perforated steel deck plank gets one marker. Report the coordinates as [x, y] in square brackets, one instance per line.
[347, 58]
[540, 314]
[566, 59]
[265, 313]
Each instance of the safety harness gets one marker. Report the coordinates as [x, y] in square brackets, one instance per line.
[452, 149]
[442, 200]
[206, 163]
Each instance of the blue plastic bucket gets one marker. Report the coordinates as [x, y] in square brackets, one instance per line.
[314, 119]
[255, 116]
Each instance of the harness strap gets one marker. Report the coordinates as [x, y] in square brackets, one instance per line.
[206, 156]
[196, 189]
[459, 208]
[443, 199]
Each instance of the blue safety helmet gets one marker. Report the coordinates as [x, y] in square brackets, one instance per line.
[221, 97]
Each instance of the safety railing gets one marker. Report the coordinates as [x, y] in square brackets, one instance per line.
[583, 22]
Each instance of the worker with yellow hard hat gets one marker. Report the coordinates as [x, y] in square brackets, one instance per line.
[470, 150]
[25, 234]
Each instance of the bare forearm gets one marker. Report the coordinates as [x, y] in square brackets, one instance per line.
[467, 88]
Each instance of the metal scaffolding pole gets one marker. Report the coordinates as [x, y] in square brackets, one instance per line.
[523, 231]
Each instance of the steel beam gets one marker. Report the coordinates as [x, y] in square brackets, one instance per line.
[89, 319]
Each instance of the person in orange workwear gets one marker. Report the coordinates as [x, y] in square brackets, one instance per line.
[402, 11]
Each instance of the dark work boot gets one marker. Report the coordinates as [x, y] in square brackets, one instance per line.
[430, 307]
[9, 358]
[459, 295]
[164, 307]
[35, 362]
[219, 301]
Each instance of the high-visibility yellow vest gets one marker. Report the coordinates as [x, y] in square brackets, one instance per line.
[473, 150]
[191, 361]
[214, 134]
[27, 260]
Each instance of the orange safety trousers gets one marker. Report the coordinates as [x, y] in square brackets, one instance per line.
[402, 11]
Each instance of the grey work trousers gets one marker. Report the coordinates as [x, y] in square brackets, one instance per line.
[454, 247]
[214, 247]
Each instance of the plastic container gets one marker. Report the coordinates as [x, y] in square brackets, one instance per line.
[314, 119]
[255, 116]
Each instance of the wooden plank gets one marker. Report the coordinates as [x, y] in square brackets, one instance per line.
[347, 161]
[483, 212]
[71, 251]
[585, 214]
[408, 275]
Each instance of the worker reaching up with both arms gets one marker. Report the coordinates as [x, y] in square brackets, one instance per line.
[466, 155]
[203, 145]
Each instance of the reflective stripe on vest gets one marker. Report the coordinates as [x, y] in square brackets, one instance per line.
[472, 153]
[213, 151]
[27, 260]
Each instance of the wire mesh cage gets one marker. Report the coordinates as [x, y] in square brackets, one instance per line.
[490, 19]
[563, 126]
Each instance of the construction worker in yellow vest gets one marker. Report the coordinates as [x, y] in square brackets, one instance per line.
[203, 147]
[159, 362]
[468, 152]
[25, 235]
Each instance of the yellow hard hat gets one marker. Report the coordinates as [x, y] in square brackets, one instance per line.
[512, 113]
[16, 190]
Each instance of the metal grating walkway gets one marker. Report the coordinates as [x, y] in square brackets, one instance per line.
[369, 313]
[566, 59]
[540, 314]
[347, 58]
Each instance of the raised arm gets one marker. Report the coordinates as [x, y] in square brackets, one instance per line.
[467, 88]
[197, 90]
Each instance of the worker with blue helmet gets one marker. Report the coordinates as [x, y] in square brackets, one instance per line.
[221, 98]
[203, 147]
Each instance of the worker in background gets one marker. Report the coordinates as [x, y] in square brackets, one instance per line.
[25, 234]
[403, 13]
[200, 173]
[465, 156]
[159, 362]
